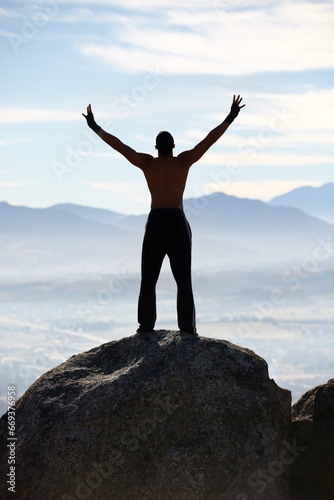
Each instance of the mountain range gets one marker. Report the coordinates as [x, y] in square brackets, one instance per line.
[227, 231]
[314, 201]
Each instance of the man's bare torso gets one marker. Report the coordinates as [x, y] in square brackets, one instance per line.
[166, 179]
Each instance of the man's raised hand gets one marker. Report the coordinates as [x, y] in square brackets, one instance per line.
[90, 120]
[235, 108]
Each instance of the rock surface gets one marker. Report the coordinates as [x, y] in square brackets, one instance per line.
[154, 416]
[312, 474]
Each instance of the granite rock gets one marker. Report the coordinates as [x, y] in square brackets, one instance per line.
[158, 416]
[313, 430]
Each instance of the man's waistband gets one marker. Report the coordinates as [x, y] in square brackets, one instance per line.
[166, 209]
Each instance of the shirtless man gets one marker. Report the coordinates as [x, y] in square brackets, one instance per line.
[167, 230]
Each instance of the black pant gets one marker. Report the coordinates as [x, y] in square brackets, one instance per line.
[167, 233]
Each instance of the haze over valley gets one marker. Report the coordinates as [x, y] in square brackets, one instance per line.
[263, 276]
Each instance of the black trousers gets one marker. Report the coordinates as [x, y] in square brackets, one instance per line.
[167, 233]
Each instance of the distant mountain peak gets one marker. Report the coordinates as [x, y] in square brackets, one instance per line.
[316, 201]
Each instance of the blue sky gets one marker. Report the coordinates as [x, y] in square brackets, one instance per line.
[147, 66]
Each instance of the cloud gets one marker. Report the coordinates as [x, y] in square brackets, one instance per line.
[4, 12]
[8, 13]
[264, 190]
[286, 139]
[186, 40]
[99, 154]
[307, 112]
[188, 5]
[10, 184]
[272, 128]
[144, 5]
[130, 190]
[16, 140]
[119, 108]
[253, 156]
[14, 115]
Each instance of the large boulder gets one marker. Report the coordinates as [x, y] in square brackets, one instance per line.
[154, 416]
[313, 430]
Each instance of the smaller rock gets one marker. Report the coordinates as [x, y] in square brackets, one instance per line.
[313, 429]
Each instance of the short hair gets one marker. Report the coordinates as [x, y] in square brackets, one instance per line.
[165, 143]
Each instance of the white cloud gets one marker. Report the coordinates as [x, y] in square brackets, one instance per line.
[16, 140]
[144, 5]
[287, 37]
[4, 12]
[272, 128]
[298, 139]
[149, 4]
[283, 140]
[264, 190]
[100, 154]
[8, 13]
[308, 111]
[10, 184]
[14, 115]
[130, 190]
[253, 156]
[118, 109]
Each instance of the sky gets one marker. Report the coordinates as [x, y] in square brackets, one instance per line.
[149, 65]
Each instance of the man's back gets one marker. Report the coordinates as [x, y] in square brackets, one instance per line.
[166, 178]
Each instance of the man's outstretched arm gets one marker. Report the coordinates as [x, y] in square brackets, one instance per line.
[193, 155]
[137, 159]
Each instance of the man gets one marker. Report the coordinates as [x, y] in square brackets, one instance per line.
[167, 230]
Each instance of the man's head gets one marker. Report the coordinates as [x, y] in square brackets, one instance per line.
[164, 143]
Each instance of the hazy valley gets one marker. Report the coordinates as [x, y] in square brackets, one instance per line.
[263, 278]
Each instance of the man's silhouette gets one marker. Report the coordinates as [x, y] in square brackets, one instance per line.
[167, 230]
